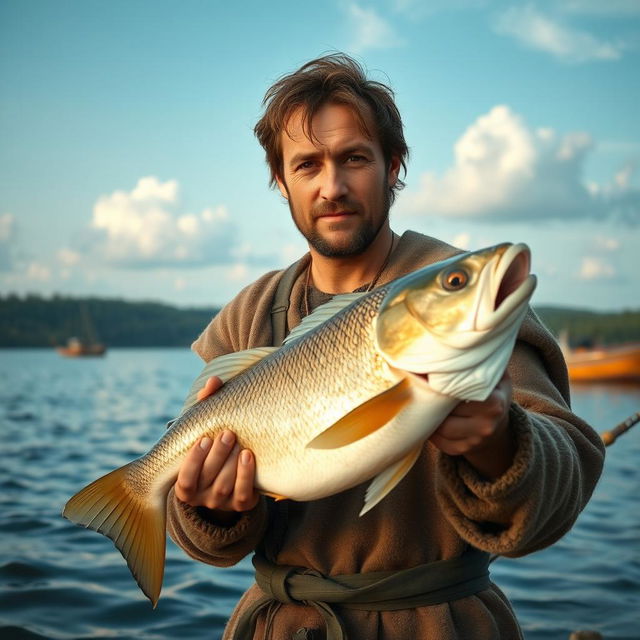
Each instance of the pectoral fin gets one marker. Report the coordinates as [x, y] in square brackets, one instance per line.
[385, 481]
[366, 418]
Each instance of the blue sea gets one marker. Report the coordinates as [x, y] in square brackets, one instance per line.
[65, 422]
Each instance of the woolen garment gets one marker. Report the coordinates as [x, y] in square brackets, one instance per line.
[439, 508]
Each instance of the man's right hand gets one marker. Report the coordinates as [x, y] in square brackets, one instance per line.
[217, 474]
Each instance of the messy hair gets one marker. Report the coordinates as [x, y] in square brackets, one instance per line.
[334, 78]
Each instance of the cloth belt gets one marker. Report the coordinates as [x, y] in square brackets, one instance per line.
[423, 585]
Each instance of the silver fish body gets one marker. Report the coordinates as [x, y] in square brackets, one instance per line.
[350, 399]
[279, 405]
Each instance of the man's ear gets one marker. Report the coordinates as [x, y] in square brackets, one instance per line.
[394, 170]
[283, 187]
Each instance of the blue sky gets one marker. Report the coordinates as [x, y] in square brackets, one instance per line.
[128, 166]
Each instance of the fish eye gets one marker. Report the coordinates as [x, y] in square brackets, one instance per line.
[455, 280]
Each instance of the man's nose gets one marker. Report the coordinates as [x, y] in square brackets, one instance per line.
[334, 185]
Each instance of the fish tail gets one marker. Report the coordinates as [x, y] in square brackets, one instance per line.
[136, 522]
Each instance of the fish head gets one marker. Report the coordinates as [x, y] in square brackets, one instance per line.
[456, 321]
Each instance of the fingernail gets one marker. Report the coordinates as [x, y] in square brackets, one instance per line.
[228, 438]
[205, 443]
[245, 457]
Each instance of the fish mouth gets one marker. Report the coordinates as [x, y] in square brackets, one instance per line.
[517, 271]
[511, 284]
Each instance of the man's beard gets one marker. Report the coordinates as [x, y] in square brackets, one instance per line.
[366, 233]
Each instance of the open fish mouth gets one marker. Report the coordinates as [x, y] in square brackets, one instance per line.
[510, 284]
[517, 270]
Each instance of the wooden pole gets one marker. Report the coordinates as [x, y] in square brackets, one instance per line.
[609, 437]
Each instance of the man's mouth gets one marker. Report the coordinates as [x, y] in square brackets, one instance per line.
[336, 215]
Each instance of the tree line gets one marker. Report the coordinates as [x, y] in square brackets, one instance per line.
[36, 321]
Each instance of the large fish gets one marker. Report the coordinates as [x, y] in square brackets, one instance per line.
[352, 395]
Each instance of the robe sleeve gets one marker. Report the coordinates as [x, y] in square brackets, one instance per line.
[556, 466]
[203, 540]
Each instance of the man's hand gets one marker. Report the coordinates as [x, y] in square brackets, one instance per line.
[217, 474]
[480, 432]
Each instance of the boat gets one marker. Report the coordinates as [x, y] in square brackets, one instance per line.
[89, 345]
[619, 363]
[75, 348]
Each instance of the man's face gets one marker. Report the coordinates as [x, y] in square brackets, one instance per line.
[337, 185]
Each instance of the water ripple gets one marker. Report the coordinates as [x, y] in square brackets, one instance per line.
[65, 422]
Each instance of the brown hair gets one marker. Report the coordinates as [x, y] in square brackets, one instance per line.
[333, 78]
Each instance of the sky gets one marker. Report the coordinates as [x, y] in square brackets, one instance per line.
[129, 168]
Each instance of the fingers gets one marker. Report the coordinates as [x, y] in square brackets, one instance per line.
[218, 475]
[186, 486]
[234, 487]
[245, 495]
[495, 404]
[459, 427]
[220, 488]
[221, 450]
[472, 425]
[455, 446]
[210, 387]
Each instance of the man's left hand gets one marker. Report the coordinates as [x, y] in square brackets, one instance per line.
[480, 431]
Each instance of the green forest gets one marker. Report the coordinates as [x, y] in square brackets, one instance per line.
[35, 321]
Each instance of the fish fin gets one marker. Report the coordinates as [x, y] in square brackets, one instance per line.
[136, 523]
[386, 480]
[365, 419]
[322, 313]
[225, 367]
[276, 496]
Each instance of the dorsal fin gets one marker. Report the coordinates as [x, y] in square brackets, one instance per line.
[322, 313]
[226, 367]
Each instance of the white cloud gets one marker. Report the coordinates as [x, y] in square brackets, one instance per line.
[537, 31]
[144, 228]
[462, 240]
[291, 252]
[606, 243]
[239, 272]
[68, 257]
[504, 170]
[7, 226]
[622, 179]
[370, 31]
[39, 272]
[593, 268]
[7, 241]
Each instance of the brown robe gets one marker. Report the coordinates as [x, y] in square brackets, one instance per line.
[442, 505]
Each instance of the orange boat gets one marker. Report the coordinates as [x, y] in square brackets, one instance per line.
[77, 349]
[89, 345]
[615, 364]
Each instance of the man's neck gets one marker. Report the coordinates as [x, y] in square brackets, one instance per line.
[343, 275]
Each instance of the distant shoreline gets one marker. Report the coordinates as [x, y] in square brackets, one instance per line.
[38, 321]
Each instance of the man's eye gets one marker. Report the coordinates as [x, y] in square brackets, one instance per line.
[304, 165]
[356, 158]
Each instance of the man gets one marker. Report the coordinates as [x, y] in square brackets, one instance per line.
[507, 476]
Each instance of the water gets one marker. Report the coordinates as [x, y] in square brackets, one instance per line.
[64, 422]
